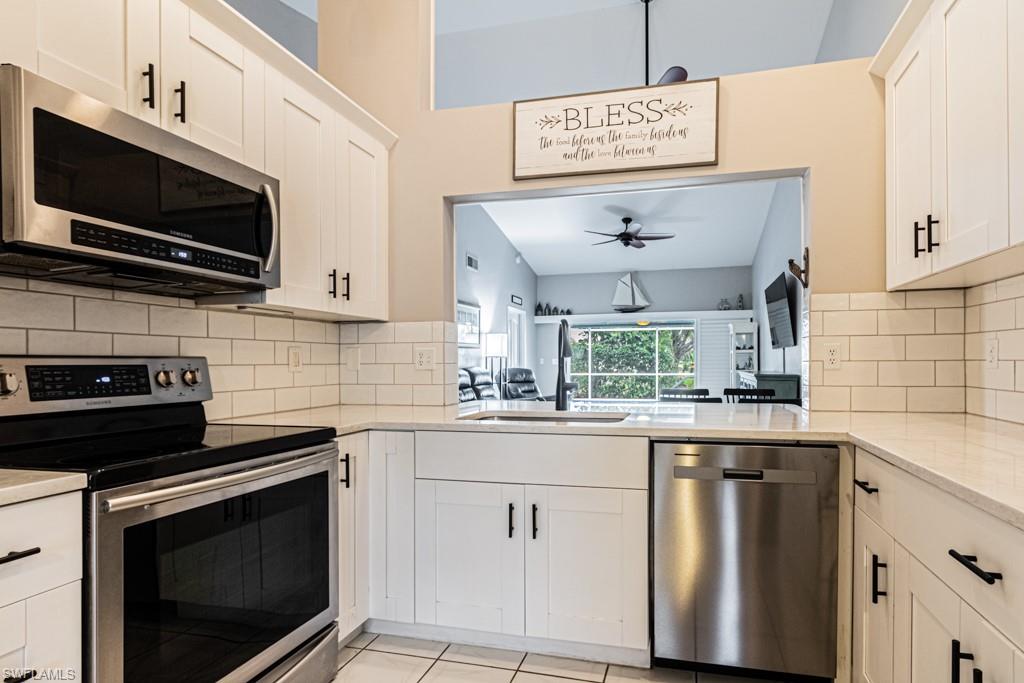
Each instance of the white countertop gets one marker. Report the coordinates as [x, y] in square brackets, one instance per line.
[976, 459]
[17, 486]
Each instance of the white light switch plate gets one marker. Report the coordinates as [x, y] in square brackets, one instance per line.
[832, 356]
[294, 358]
[992, 352]
[424, 358]
[352, 360]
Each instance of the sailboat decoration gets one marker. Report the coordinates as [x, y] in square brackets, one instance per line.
[628, 297]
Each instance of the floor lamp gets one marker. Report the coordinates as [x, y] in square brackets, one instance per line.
[495, 350]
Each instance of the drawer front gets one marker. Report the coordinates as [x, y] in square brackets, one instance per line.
[930, 522]
[595, 461]
[54, 526]
[874, 489]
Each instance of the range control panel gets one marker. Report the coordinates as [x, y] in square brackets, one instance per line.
[123, 242]
[58, 384]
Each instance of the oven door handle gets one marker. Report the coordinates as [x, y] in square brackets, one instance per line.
[275, 227]
[172, 492]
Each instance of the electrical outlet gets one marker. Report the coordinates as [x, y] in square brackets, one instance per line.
[832, 356]
[294, 358]
[424, 359]
[992, 352]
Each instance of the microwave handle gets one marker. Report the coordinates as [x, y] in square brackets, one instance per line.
[275, 227]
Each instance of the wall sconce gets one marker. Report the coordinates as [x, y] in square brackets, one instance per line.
[802, 274]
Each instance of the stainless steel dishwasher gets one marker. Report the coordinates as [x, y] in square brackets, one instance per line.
[745, 557]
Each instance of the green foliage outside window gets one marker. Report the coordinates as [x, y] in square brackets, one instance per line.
[633, 363]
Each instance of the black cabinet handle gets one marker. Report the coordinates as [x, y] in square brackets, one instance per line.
[931, 223]
[865, 486]
[333, 277]
[27, 676]
[958, 655]
[347, 479]
[511, 519]
[918, 249]
[970, 561]
[875, 566]
[19, 555]
[347, 294]
[180, 90]
[534, 521]
[978, 677]
[150, 75]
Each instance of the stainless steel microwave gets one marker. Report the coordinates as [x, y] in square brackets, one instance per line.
[91, 195]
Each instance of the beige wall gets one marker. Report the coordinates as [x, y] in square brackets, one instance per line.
[827, 118]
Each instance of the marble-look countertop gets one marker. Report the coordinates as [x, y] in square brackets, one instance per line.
[17, 486]
[976, 459]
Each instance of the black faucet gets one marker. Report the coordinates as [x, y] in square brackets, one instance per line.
[563, 389]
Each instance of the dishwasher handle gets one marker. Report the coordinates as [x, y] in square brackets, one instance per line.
[744, 475]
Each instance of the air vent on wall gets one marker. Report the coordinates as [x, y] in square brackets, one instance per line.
[472, 262]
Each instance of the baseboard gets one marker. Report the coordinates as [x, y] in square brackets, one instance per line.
[544, 646]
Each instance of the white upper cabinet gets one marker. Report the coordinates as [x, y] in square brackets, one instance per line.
[1015, 77]
[102, 48]
[908, 114]
[970, 132]
[953, 120]
[212, 86]
[361, 250]
[300, 137]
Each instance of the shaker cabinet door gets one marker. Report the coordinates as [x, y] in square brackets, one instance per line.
[927, 624]
[213, 87]
[353, 532]
[469, 555]
[970, 129]
[873, 595]
[908, 140]
[1015, 23]
[586, 565]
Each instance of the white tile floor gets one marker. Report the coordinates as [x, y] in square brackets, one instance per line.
[370, 658]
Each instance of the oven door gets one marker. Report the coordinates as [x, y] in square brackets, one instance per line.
[84, 179]
[213, 576]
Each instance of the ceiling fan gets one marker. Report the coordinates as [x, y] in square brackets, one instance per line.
[631, 236]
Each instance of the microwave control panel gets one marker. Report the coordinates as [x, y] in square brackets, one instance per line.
[123, 242]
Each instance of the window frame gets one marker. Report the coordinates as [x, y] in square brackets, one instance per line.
[656, 328]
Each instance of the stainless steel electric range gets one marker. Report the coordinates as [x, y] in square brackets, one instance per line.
[211, 549]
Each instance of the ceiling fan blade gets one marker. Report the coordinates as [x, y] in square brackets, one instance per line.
[605, 234]
[605, 242]
[657, 236]
[638, 244]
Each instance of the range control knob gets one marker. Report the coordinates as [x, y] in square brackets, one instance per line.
[8, 383]
[166, 378]
[192, 377]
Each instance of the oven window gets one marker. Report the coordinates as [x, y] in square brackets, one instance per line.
[86, 172]
[207, 589]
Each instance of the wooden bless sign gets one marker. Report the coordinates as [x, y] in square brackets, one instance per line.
[620, 130]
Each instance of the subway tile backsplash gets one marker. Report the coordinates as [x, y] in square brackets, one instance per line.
[362, 363]
[898, 351]
[994, 349]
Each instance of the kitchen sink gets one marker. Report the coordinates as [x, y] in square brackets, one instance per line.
[550, 417]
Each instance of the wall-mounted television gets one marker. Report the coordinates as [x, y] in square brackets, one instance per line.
[780, 300]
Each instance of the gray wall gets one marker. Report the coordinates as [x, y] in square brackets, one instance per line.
[498, 279]
[293, 29]
[691, 289]
[856, 28]
[780, 241]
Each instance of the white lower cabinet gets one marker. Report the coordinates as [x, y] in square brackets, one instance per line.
[470, 555]
[874, 558]
[586, 568]
[353, 532]
[53, 635]
[392, 524]
[928, 625]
